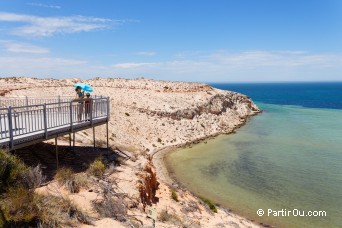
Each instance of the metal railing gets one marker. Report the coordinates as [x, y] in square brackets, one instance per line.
[28, 119]
[28, 101]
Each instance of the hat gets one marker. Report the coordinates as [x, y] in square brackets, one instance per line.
[87, 94]
[78, 87]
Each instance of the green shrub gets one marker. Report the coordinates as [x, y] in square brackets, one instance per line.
[209, 203]
[174, 195]
[12, 170]
[97, 168]
[21, 207]
[18, 205]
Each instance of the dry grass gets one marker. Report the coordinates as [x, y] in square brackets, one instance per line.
[25, 208]
[18, 205]
[97, 168]
[71, 181]
[111, 207]
[60, 212]
[33, 177]
[100, 143]
[121, 161]
[165, 216]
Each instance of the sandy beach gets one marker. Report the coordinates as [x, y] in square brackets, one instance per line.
[148, 119]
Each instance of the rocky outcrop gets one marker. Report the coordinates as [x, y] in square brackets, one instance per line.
[217, 104]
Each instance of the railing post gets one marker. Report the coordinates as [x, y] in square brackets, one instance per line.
[91, 111]
[108, 111]
[10, 125]
[45, 120]
[59, 102]
[26, 102]
[71, 128]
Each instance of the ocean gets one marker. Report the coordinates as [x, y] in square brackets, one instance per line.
[286, 161]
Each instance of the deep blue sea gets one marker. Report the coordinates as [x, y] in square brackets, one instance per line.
[310, 95]
[289, 157]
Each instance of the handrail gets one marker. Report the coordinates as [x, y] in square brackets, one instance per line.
[25, 120]
[32, 97]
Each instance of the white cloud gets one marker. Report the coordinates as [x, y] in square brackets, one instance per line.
[242, 66]
[15, 47]
[35, 26]
[218, 66]
[145, 53]
[256, 59]
[43, 5]
[40, 66]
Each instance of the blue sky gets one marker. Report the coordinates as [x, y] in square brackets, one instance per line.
[188, 40]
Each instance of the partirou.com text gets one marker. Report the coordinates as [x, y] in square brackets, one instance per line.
[293, 212]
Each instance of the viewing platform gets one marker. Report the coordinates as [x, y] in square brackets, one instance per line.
[29, 120]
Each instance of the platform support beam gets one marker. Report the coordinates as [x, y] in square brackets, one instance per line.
[94, 137]
[56, 145]
[73, 142]
[107, 136]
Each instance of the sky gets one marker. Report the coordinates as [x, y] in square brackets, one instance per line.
[179, 40]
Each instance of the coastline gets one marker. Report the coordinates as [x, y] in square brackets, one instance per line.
[164, 172]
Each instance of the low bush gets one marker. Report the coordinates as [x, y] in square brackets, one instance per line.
[66, 177]
[174, 195]
[59, 212]
[97, 168]
[17, 205]
[209, 203]
[20, 206]
[12, 170]
[100, 143]
[111, 207]
[165, 216]
[71, 181]
[33, 177]
[24, 208]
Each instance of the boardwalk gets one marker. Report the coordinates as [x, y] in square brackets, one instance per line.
[33, 120]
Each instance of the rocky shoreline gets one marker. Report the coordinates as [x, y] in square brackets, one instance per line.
[150, 117]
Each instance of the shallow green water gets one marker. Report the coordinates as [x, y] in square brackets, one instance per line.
[285, 158]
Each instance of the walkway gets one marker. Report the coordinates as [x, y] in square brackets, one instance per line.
[31, 121]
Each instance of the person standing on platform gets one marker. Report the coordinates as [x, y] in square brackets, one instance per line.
[79, 97]
[87, 107]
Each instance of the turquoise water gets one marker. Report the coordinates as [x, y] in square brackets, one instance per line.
[287, 157]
